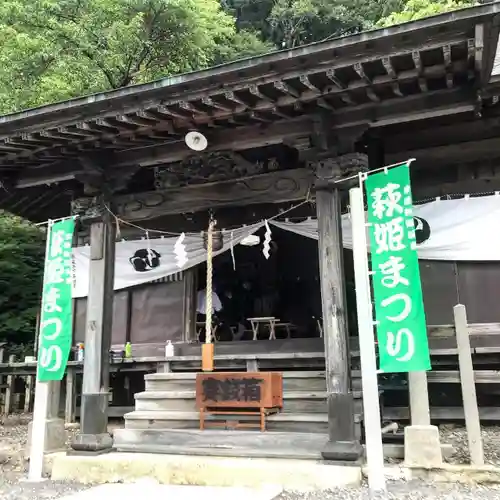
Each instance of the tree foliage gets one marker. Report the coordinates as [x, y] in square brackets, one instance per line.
[289, 23]
[56, 49]
[418, 9]
[22, 248]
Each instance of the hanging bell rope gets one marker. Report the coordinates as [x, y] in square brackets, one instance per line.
[208, 301]
[208, 348]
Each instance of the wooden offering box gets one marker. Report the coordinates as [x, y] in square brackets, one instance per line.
[239, 394]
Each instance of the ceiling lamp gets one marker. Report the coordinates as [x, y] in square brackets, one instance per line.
[250, 241]
[196, 141]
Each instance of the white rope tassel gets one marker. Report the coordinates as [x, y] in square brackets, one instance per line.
[208, 301]
[266, 249]
[232, 251]
[150, 253]
[180, 251]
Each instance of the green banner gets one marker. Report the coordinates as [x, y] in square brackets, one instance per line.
[399, 307]
[56, 318]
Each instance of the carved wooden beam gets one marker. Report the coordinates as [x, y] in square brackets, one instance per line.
[407, 109]
[275, 187]
[422, 191]
[432, 136]
[464, 151]
[486, 42]
[237, 139]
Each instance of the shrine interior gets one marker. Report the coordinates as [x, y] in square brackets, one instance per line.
[285, 286]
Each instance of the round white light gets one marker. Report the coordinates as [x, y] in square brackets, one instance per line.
[196, 141]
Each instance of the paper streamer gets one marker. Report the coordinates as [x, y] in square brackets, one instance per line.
[180, 251]
[266, 248]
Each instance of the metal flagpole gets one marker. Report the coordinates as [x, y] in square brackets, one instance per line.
[41, 406]
[371, 404]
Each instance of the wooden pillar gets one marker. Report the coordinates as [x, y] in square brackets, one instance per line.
[70, 401]
[94, 436]
[342, 443]
[9, 390]
[189, 305]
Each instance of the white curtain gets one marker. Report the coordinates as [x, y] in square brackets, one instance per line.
[126, 274]
[454, 230]
[466, 229]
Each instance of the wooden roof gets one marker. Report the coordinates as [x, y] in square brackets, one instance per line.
[434, 67]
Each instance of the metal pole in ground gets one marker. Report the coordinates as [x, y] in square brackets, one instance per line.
[371, 404]
[471, 411]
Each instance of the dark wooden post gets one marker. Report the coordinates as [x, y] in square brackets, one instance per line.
[342, 443]
[94, 436]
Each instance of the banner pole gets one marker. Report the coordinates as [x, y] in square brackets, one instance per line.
[371, 404]
[41, 405]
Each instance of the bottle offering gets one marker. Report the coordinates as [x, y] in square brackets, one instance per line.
[80, 352]
[169, 349]
[128, 350]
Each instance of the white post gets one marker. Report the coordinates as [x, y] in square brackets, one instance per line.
[371, 404]
[38, 434]
[472, 421]
[41, 406]
[420, 413]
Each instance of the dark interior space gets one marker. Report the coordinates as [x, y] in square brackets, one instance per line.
[285, 286]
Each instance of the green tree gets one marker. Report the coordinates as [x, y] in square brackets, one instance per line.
[251, 15]
[289, 23]
[22, 250]
[418, 9]
[57, 49]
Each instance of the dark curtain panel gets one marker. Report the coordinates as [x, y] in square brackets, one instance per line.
[157, 313]
[119, 332]
[479, 290]
[439, 288]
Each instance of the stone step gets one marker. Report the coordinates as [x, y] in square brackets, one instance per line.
[245, 444]
[294, 401]
[242, 443]
[283, 422]
[292, 381]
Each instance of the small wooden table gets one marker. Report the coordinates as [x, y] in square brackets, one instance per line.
[288, 327]
[200, 326]
[269, 321]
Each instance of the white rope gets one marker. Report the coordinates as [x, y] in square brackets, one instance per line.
[208, 301]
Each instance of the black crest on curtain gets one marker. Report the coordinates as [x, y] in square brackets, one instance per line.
[145, 259]
[422, 230]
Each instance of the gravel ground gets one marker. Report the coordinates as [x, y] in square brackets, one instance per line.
[404, 491]
[13, 466]
[13, 469]
[457, 436]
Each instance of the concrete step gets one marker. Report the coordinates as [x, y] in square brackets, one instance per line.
[294, 401]
[283, 422]
[170, 381]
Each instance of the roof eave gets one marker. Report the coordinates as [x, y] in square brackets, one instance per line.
[44, 114]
